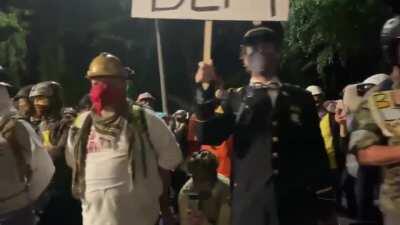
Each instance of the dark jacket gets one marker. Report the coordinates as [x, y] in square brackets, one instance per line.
[279, 161]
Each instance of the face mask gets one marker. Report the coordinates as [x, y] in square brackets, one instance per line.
[103, 94]
[256, 62]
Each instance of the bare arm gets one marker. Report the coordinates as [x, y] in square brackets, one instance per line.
[379, 155]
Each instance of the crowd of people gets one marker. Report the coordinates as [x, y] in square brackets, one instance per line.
[268, 153]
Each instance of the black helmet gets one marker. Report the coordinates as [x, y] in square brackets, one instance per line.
[390, 37]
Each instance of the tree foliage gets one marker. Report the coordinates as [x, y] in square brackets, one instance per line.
[334, 33]
[13, 42]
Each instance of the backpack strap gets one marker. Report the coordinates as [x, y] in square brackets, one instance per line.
[139, 121]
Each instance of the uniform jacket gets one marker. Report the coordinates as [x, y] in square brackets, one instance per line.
[278, 161]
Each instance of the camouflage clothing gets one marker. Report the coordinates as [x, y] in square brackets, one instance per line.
[370, 131]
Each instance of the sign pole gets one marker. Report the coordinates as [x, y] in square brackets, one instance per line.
[161, 68]
[208, 31]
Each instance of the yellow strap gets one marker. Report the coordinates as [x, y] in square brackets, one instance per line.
[328, 140]
[46, 137]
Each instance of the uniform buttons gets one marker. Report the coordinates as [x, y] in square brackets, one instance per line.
[275, 139]
[275, 172]
[275, 155]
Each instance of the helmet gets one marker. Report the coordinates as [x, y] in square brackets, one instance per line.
[390, 37]
[53, 91]
[181, 114]
[23, 92]
[106, 65]
[376, 79]
[46, 88]
[314, 90]
[145, 95]
[69, 110]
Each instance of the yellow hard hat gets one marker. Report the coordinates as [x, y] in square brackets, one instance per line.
[106, 65]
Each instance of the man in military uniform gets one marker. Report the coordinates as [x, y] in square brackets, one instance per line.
[60, 208]
[205, 198]
[279, 165]
[376, 138]
[360, 181]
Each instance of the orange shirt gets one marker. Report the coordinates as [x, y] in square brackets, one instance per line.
[223, 154]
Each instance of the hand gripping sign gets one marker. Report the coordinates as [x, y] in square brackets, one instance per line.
[208, 10]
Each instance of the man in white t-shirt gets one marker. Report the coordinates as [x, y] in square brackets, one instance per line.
[118, 152]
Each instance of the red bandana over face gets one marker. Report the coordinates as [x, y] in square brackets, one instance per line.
[104, 94]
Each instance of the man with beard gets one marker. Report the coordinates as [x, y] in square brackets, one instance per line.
[279, 165]
[58, 207]
[119, 153]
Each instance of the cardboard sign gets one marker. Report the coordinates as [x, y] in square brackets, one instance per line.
[243, 10]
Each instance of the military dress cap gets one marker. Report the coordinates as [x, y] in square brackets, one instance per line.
[258, 35]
